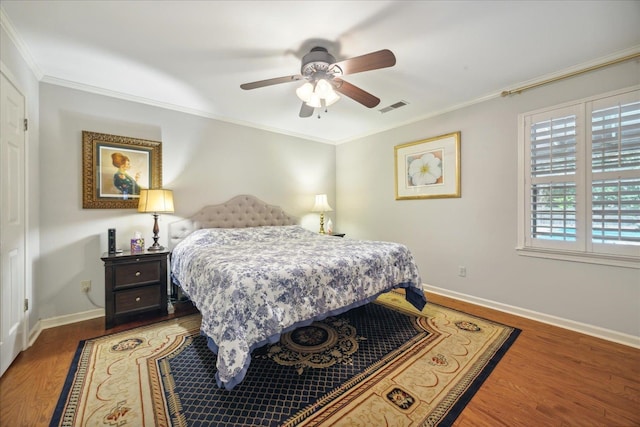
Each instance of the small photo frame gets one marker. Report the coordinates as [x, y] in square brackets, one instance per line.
[429, 168]
[115, 169]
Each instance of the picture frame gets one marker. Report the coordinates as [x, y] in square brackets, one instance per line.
[429, 168]
[107, 186]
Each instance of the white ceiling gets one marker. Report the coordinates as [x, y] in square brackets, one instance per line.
[193, 55]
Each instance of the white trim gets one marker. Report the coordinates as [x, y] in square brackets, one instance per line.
[173, 107]
[66, 319]
[586, 257]
[53, 322]
[34, 334]
[200, 113]
[7, 72]
[583, 328]
[28, 268]
[595, 331]
[5, 23]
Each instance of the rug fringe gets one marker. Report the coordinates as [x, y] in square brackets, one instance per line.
[179, 421]
[173, 402]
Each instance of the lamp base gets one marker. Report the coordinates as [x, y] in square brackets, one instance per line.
[322, 223]
[156, 246]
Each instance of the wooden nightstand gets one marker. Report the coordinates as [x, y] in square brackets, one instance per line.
[134, 284]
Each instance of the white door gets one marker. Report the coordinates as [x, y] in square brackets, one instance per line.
[12, 223]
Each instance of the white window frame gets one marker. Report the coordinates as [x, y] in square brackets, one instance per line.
[582, 250]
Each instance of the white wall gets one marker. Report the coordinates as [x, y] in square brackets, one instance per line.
[478, 230]
[14, 66]
[204, 161]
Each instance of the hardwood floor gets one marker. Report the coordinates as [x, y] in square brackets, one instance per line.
[549, 377]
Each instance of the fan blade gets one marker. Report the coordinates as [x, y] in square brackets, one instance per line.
[371, 61]
[355, 93]
[269, 82]
[305, 110]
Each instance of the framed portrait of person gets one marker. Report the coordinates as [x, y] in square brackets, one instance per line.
[115, 169]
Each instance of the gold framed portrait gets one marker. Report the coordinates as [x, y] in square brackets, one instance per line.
[115, 169]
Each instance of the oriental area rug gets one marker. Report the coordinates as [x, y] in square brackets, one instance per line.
[381, 364]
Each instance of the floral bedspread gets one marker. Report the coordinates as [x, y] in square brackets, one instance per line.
[252, 284]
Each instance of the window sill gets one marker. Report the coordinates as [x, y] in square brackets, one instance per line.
[602, 259]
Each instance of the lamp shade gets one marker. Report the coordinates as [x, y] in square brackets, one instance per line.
[304, 91]
[322, 205]
[323, 88]
[156, 201]
[314, 101]
[331, 98]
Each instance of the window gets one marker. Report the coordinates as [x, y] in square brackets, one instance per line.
[579, 181]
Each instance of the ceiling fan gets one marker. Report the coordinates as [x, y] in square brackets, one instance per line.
[323, 77]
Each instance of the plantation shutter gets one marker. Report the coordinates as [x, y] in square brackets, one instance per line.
[553, 180]
[579, 184]
[615, 164]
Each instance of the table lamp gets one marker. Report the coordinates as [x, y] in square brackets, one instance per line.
[322, 206]
[155, 201]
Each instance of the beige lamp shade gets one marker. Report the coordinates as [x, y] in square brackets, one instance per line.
[322, 205]
[156, 201]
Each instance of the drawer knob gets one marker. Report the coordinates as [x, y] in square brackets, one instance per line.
[137, 299]
[138, 273]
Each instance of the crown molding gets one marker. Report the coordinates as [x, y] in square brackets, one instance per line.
[7, 26]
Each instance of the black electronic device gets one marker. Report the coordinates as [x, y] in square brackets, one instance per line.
[112, 241]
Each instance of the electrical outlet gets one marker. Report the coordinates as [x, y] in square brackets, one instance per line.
[462, 271]
[85, 285]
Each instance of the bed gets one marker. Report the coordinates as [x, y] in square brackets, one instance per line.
[254, 274]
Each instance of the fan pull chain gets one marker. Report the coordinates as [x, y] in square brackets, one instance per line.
[326, 110]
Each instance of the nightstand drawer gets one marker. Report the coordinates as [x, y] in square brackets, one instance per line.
[138, 299]
[136, 274]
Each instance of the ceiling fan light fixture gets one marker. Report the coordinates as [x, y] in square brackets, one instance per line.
[314, 101]
[320, 95]
[323, 88]
[321, 75]
[331, 98]
[304, 92]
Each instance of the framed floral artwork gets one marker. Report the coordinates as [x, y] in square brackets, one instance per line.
[429, 168]
[115, 168]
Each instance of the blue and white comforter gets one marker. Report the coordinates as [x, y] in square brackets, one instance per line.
[252, 284]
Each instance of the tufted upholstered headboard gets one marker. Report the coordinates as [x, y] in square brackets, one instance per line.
[239, 212]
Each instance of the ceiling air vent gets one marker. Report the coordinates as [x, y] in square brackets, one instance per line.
[393, 106]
